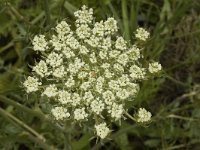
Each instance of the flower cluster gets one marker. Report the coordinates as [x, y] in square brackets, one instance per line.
[143, 115]
[89, 73]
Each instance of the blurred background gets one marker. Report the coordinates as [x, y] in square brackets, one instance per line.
[173, 98]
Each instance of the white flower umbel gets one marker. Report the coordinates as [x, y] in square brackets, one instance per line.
[97, 106]
[40, 43]
[120, 43]
[60, 113]
[143, 115]
[89, 71]
[31, 84]
[154, 67]
[50, 91]
[84, 15]
[41, 68]
[142, 34]
[80, 114]
[110, 26]
[102, 130]
[116, 111]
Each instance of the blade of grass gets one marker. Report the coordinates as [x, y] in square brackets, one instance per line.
[31, 112]
[69, 7]
[47, 11]
[125, 20]
[37, 136]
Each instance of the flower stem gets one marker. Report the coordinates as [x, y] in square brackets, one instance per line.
[130, 117]
[38, 136]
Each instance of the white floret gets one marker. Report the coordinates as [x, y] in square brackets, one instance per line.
[80, 114]
[108, 97]
[142, 34]
[84, 15]
[54, 59]
[50, 91]
[143, 115]
[137, 72]
[120, 43]
[64, 97]
[31, 84]
[97, 106]
[59, 72]
[39, 43]
[83, 31]
[110, 26]
[122, 94]
[116, 111]
[41, 69]
[60, 113]
[154, 67]
[102, 130]
[63, 28]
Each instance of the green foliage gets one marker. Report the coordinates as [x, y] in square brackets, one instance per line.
[173, 98]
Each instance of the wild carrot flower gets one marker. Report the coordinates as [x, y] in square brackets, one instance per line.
[89, 73]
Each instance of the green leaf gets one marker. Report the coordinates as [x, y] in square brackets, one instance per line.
[83, 142]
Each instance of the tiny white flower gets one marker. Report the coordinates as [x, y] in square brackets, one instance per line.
[142, 34]
[114, 53]
[59, 72]
[118, 67]
[68, 53]
[122, 94]
[98, 29]
[107, 43]
[123, 59]
[88, 97]
[50, 91]
[97, 106]
[83, 31]
[64, 97]
[54, 59]
[134, 53]
[63, 28]
[143, 115]
[76, 99]
[80, 114]
[41, 68]
[60, 113]
[114, 85]
[137, 72]
[39, 43]
[116, 111]
[154, 67]
[110, 26]
[70, 82]
[84, 15]
[102, 130]
[120, 43]
[31, 84]
[108, 97]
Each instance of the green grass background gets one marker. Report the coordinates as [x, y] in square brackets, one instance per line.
[173, 98]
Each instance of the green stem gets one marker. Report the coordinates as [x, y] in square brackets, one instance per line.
[20, 106]
[30, 111]
[182, 118]
[47, 11]
[17, 13]
[5, 113]
[125, 20]
[129, 116]
[41, 140]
